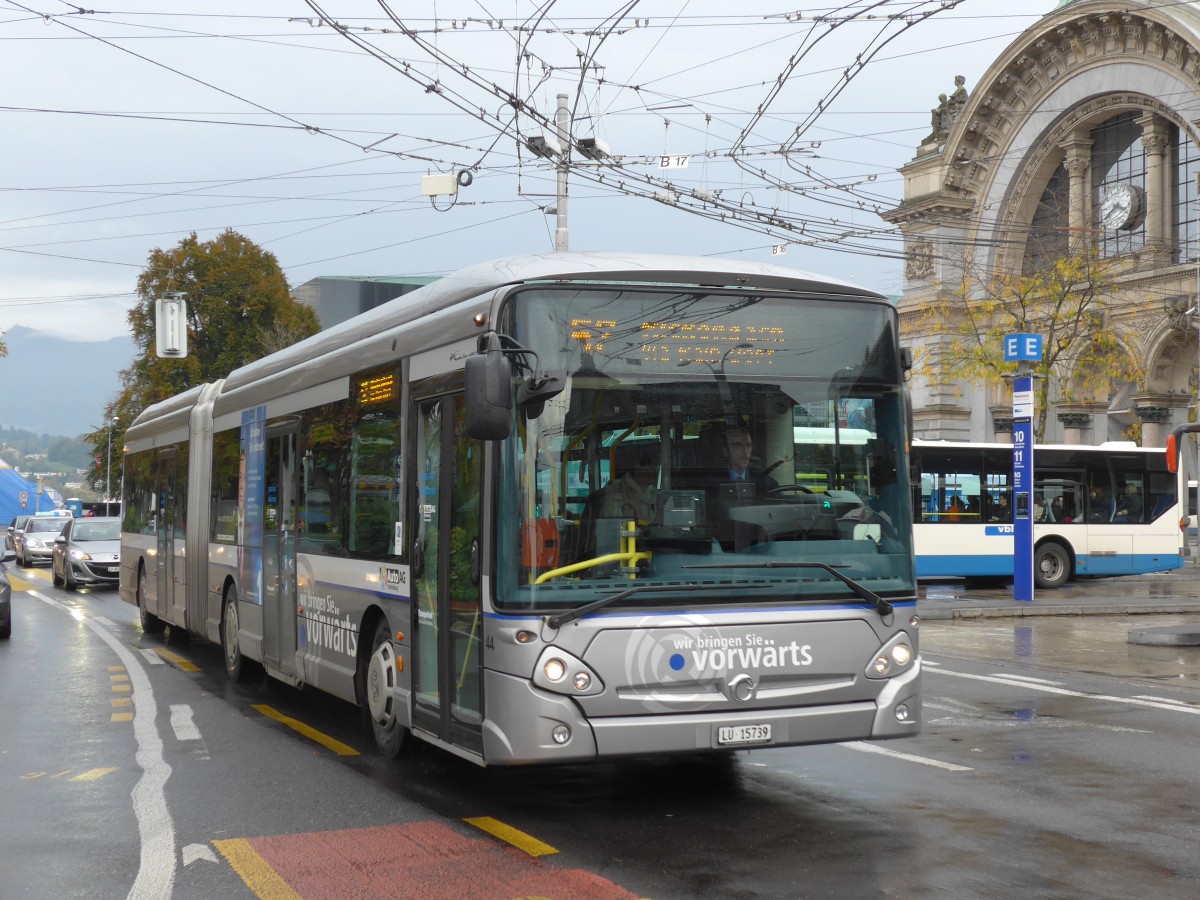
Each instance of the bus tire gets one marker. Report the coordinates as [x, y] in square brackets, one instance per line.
[231, 650]
[1051, 565]
[379, 688]
[151, 624]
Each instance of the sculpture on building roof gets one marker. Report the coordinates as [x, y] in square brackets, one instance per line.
[944, 115]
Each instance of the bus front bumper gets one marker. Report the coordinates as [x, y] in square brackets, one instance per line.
[532, 719]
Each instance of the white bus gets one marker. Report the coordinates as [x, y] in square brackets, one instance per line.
[1111, 509]
[411, 512]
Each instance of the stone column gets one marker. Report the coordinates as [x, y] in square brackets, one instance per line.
[1155, 134]
[1002, 423]
[1078, 163]
[1074, 424]
[1156, 421]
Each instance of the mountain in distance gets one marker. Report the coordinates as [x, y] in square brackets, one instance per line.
[56, 386]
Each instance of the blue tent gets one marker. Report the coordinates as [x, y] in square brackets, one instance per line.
[13, 488]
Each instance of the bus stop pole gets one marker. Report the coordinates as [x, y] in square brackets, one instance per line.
[1023, 349]
[1022, 457]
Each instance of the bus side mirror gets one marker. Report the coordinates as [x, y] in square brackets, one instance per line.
[489, 393]
[1173, 453]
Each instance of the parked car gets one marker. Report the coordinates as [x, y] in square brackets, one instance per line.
[35, 542]
[6, 555]
[17, 522]
[87, 552]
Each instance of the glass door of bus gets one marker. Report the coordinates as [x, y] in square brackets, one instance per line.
[281, 479]
[164, 589]
[447, 627]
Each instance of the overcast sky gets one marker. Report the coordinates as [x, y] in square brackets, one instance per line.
[125, 128]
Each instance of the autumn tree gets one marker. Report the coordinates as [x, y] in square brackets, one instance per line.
[1070, 302]
[239, 309]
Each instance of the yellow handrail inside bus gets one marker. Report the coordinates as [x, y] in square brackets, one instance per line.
[628, 554]
[631, 558]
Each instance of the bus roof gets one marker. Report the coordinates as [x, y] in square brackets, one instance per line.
[480, 281]
[1107, 446]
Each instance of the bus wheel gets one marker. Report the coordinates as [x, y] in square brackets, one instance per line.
[392, 738]
[235, 663]
[1051, 565]
[151, 624]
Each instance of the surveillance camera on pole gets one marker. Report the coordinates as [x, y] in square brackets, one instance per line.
[545, 146]
[594, 148]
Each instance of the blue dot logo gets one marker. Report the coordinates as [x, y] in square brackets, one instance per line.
[676, 661]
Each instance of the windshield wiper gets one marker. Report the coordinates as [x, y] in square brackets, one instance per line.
[566, 618]
[884, 607]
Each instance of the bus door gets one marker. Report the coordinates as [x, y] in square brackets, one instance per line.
[165, 532]
[280, 493]
[448, 625]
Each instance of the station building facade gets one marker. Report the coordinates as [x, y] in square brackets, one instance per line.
[1081, 137]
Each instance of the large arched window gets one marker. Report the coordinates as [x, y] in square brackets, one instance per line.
[1048, 232]
[1185, 160]
[1118, 172]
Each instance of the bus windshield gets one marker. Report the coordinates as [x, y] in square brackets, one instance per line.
[701, 435]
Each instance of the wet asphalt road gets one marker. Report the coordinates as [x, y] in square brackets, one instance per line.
[1057, 760]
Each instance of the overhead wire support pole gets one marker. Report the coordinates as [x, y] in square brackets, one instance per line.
[562, 121]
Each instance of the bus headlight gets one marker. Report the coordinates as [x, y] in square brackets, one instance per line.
[563, 673]
[894, 657]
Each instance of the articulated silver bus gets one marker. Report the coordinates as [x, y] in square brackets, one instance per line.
[551, 509]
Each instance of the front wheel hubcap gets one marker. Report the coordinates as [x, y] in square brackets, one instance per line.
[381, 685]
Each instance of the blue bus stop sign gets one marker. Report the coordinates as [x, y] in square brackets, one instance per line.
[1023, 505]
[1023, 348]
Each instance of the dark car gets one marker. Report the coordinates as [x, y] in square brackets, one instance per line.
[88, 552]
[5, 595]
[35, 542]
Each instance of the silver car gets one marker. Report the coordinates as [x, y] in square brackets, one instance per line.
[35, 542]
[17, 522]
[88, 552]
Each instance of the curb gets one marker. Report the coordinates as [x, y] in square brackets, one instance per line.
[1018, 612]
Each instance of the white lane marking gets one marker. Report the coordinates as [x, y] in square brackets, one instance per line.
[153, 658]
[181, 721]
[193, 852]
[1186, 703]
[928, 662]
[1049, 689]
[107, 623]
[907, 757]
[1023, 678]
[1035, 722]
[156, 865]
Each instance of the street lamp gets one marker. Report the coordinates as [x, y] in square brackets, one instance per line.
[108, 467]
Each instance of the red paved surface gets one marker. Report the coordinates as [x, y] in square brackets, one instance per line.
[424, 859]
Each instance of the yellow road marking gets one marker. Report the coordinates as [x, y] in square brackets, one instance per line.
[122, 688]
[311, 733]
[507, 833]
[122, 701]
[176, 660]
[92, 774]
[115, 679]
[122, 717]
[20, 583]
[255, 871]
[116, 668]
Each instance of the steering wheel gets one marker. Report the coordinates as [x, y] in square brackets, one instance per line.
[788, 487]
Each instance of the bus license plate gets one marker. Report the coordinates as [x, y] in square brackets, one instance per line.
[744, 734]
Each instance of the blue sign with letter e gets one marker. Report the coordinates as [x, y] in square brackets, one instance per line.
[1022, 347]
